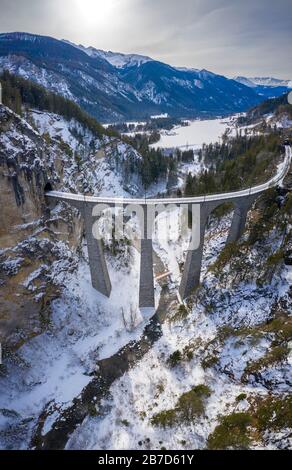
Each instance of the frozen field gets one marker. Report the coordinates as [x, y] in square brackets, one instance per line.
[194, 135]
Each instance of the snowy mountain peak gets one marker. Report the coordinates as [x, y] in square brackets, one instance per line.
[262, 81]
[245, 81]
[269, 81]
[187, 69]
[117, 59]
[19, 36]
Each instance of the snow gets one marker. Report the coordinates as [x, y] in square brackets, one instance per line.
[50, 370]
[117, 59]
[101, 161]
[124, 420]
[236, 353]
[269, 81]
[262, 81]
[152, 387]
[168, 243]
[84, 327]
[12, 265]
[195, 135]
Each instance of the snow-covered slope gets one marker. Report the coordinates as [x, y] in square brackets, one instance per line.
[117, 59]
[217, 343]
[269, 81]
[229, 346]
[98, 166]
[266, 86]
[44, 271]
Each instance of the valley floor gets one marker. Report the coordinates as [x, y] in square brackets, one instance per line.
[51, 369]
[214, 367]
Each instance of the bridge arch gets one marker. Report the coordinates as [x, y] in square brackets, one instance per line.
[192, 268]
[242, 201]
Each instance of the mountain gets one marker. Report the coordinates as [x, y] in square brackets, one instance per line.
[268, 87]
[113, 87]
[117, 59]
[275, 111]
[263, 81]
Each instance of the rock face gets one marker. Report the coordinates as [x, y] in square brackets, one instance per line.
[37, 243]
[24, 174]
[27, 242]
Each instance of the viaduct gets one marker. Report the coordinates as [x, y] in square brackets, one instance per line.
[242, 202]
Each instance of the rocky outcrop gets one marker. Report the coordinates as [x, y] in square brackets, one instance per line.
[31, 238]
[48, 152]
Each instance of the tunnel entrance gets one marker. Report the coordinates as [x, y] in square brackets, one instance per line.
[48, 187]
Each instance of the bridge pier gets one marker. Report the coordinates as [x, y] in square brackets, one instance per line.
[192, 268]
[97, 263]
[146, 285]
[239, 219]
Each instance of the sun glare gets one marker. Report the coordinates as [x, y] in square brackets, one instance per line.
[97, 12]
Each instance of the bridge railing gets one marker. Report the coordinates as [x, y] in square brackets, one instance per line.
[284, 166]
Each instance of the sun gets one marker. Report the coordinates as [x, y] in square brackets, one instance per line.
[95, 11]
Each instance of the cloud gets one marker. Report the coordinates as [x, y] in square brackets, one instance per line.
[231, 37]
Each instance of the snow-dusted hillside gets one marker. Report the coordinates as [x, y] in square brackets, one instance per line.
[222, 337]
[268, 87]
[38, 148]
[84, 372]
[44, 270]
[263, 81]
[115, 86]
[117, 59]
[218, 342]
[98, 167]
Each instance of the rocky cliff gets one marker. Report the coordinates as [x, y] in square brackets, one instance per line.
[47, 151]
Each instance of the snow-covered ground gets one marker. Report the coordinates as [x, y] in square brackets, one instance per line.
[195, 135]
[84, 328]
[54, 367]
[96, 165]
[124, 418]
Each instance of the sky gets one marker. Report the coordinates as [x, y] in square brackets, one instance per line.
[230, 37]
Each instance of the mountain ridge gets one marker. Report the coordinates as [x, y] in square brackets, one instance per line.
[134, 88]
[268, 87]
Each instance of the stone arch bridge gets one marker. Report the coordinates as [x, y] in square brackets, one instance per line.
[242, 201]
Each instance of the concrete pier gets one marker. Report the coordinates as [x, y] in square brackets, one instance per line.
[146, 285]
[239, 219]
[98, 268]
[192, 268]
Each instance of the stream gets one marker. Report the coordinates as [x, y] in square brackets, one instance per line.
[108, 370]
